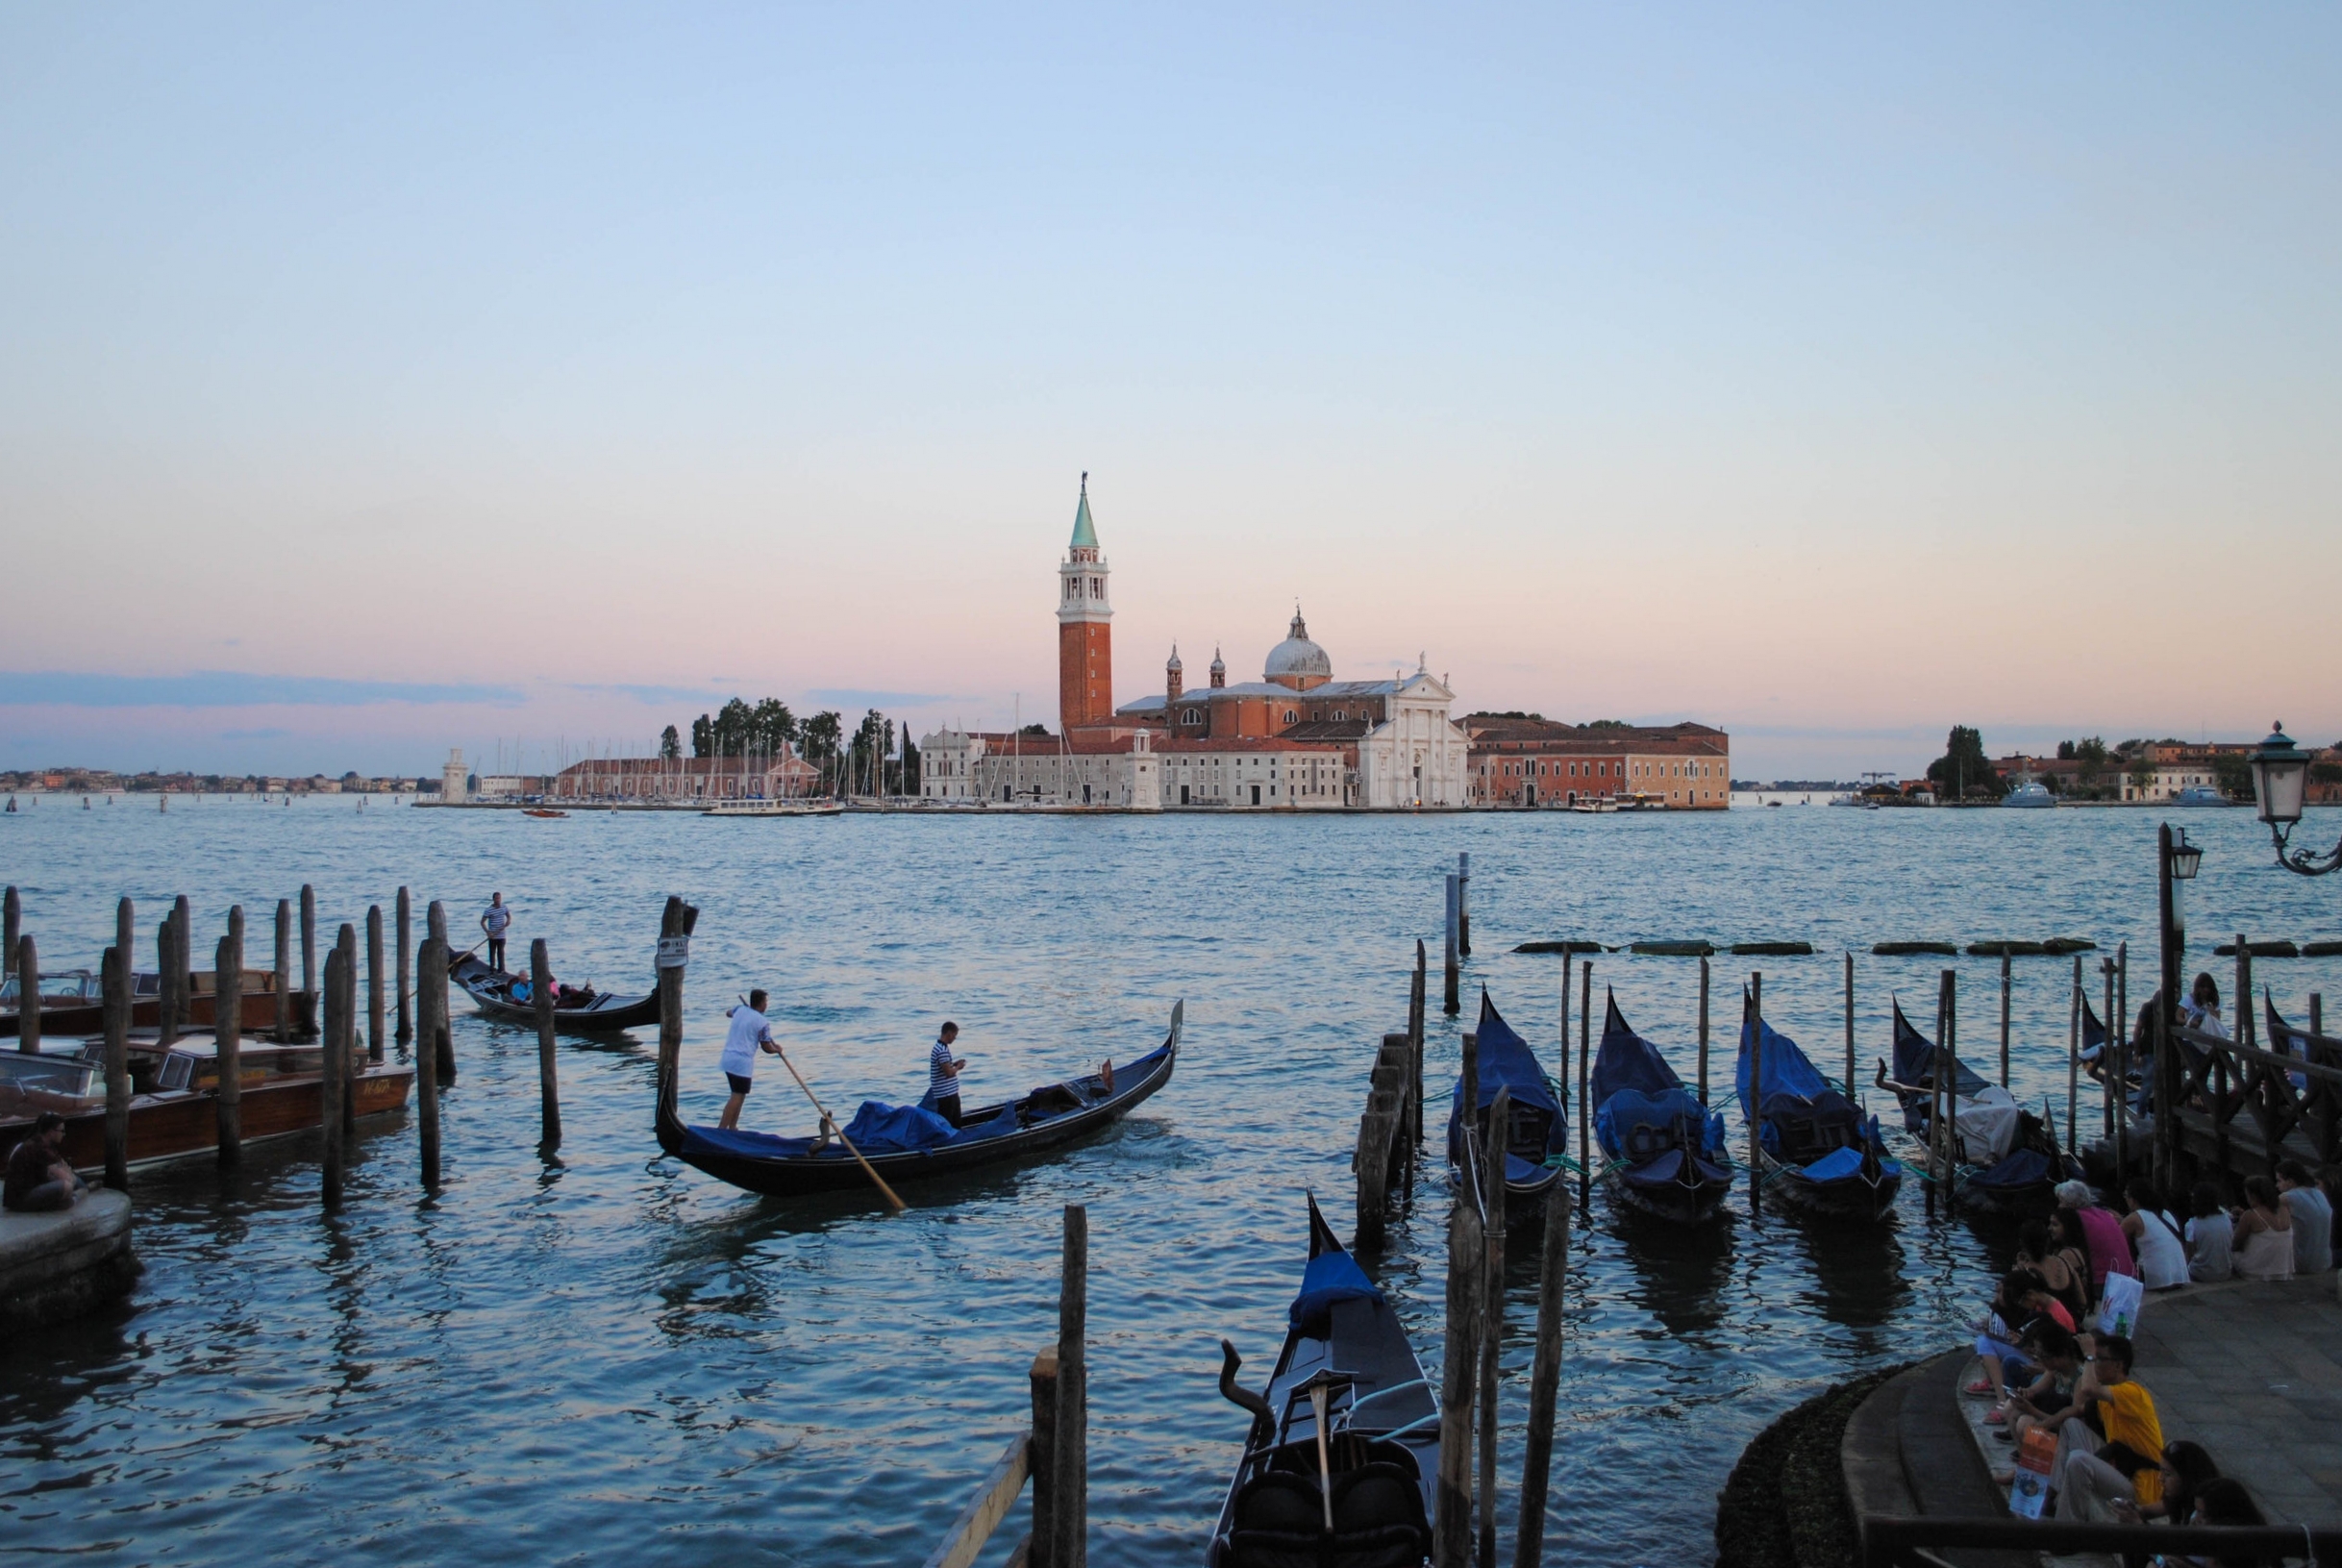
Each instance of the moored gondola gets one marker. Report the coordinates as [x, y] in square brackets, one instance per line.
[906, 1143]
[1341, 1464]
[1663, 1150]
[2004, 1158]
[576, 1010]
[1815, 1148]
[1537, 1136]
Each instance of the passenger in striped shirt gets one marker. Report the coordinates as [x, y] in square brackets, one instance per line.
[943, 1074]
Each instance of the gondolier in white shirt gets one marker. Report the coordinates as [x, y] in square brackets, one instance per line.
[496, 919]
[751, 1032]
[943, 1074]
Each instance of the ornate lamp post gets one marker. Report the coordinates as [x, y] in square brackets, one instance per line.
[2281, 776]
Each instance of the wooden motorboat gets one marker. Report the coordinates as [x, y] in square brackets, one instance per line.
[1347, 1430]
[73, 1003]
[70, 1002]
[576, 1010]
[906, 1143]
[541, 814]
[280, 1095]
[1536, 1134]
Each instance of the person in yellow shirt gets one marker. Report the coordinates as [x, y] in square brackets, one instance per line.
[2092, 1479]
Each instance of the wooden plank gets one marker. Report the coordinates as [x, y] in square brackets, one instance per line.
[988, 1509]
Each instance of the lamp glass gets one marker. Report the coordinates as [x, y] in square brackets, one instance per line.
[2186, 858]
[2281, 776]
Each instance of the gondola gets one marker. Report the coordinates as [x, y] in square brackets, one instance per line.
[2006, 1157]
[1538, 1133]
[1342, 1465]
[1815, 1148]
[576, 1011]
[1663, 1150]
[906, 1143]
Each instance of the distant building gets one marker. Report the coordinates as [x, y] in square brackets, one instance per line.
[684, 779]
[1526, 764]
[1294, 740]
[454, 779]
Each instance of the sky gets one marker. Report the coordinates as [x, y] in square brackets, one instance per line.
[375, 381]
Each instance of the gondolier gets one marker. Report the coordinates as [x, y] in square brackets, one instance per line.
[943, 1074]
[751, 1032]
[495, 920]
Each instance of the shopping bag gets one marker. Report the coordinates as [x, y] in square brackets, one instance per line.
[2118, 1305]
[2029, 1486]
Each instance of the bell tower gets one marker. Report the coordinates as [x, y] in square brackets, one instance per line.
[1085, 649]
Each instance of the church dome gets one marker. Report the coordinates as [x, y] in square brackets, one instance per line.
[1297, 662]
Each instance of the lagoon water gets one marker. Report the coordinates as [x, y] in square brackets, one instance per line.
[614, 1354]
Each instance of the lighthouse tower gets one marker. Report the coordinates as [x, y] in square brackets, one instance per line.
[1085, 649]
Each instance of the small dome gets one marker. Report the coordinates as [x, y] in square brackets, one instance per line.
[1175, 664]
[1297, 658]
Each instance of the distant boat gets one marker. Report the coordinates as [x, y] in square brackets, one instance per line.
[2201, 795]
[1594, 805]
[540, 812]
[775, 807]
[2031, 796]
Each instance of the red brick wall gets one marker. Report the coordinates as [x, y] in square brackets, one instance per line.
[1086, 673]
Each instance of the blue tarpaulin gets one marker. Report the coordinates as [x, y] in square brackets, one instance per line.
[1916, 1058]
[1786, 1071]
[1330, 1277]
[1634, 1086]
[1506, 1063]
[1628, 1061]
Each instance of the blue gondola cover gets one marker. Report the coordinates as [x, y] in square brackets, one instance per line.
[1506, 1063]
[1330, 1277]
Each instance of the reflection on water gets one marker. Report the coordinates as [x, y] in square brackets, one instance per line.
[607, 1352]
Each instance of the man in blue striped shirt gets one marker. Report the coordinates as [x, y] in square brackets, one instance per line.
[943, 1074]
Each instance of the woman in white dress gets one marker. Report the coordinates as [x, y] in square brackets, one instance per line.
[2154, 1236]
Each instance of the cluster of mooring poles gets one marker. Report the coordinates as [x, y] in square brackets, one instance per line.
[354, 1075]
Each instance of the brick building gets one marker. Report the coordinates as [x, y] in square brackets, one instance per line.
[1526, 763]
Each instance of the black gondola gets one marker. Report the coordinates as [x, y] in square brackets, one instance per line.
[1815, 1148]
[2025, 1163]
[576, 1010]
[906, 1143]
[1341, 1466]
[1537, 1134]
[1663, 1150]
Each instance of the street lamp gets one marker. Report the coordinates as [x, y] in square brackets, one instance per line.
[2281, 776]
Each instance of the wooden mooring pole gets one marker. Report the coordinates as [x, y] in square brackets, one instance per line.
[284, 971]
[183, 935]
[1415, 1011]
[11, 927]
[1453, 971]
[2073, 1055]
[1544, 1382]
[28, 995]
[309, 938]
[436, 920]
[675, 926]
[406, 971]
[1451, 1534]
[1043, 1461]
[2004, 991]
[1704, 1031]
[166, 983]
[548, 1074]
[374, 983]
[1849, 1029]
[2110, 1050]
[332, 1066]
[1070, 1500]
[1464, 904]
[2120, 1025]
[346, 943]
[1756, 1028]
[431, 1011]
[228, 1034]
[114, 982]
[1585, 1121]
[1492, 1306]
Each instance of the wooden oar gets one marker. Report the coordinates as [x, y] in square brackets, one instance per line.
[830, 1122]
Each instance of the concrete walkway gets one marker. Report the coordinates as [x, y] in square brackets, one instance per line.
[2252, 1370]
[58, 1267]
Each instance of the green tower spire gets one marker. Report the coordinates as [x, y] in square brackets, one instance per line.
[1086, 537]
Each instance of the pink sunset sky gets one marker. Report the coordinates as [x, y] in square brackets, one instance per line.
[377, 382]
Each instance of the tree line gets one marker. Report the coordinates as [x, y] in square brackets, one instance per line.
[861, 764]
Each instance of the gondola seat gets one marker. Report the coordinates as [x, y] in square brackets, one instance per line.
[1378, 1520]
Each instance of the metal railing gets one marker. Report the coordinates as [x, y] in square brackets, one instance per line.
[1889, 1542]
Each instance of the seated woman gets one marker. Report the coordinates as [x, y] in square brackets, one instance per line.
[2264, 1233]
[1999, 1328]
[2034, 1251]
[2058, 1356]
[2202, 1009]
[2211, 1236]
[2187, 1469]
[2154, 1236]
